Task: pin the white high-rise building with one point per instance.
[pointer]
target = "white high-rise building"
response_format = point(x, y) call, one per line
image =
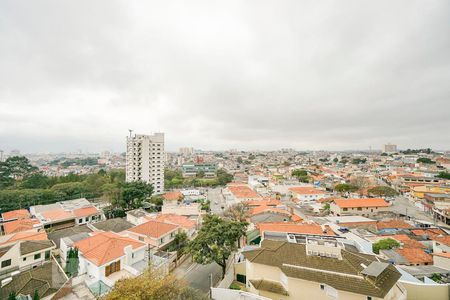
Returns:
point(146, 159)
point(389, 148)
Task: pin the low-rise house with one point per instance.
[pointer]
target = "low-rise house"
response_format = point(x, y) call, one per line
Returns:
point(187, 225)
point(66, 214)
point(363, 206)
point(21, 225)
point(306, 193)
point(46, 280)
point(13, 215)
point(108, 257)
point(318, 269)
point(237, 193)
point(29, 235)
point(23, 255)
point(286, 231)
point(115, 225)
point(155, 233)
point(442, 260)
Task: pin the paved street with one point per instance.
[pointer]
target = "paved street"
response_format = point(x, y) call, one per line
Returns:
point(198, 276)
point(217, 201)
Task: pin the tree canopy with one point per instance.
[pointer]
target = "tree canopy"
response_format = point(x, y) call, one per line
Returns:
point(153, 286)
point(384, 244)
point(345, 187)
point(216, 241)
point(383, 191)
point(444, 175)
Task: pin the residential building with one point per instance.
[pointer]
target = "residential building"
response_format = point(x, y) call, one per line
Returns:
point(108, 257)
point(46, 280)
point(306, 193)
point(23, 255)
point(363, 207)
point(191, 170)
point(155, 233)
point(389, 148)
point(145, 160)
point(66, 214)
point(319, 269)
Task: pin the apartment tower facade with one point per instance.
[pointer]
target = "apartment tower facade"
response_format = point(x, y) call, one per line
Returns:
point(145, 160)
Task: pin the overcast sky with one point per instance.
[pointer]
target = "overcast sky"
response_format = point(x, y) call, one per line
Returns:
point(224, 74)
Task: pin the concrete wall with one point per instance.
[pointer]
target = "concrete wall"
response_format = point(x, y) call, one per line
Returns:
point(427, 291)
point(365, 211)
point(441, 262)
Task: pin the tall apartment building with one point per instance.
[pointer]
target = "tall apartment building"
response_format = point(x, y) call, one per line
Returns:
point(146, 159)
point(389, 148)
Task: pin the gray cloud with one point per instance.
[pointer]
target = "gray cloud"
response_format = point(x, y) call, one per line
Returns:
point(220, 75)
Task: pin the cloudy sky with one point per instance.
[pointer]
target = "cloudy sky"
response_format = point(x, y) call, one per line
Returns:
point(224, 74)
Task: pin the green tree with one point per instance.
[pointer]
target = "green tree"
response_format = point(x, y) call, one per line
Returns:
point(444, 175)
point(215, 242)
point(239, 160)
point(133, 193)
point(345, 187)
point(383, 191)
point(36, 295)
point(335, 160)
point(153, 286)
point(70, 189)
point(301, 175)
point(200, 174)
point(19, 166)
point(223, 177)
point(384, 244)
point(425, 160)
point(35, 181)
point(72, 260)
point(179, 243)
point(12, 296)
point(237, 212)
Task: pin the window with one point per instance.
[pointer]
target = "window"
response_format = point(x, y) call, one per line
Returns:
point(359, 208)
point(132, 255)
point(369, 298)
point(345, 209)
point(6, 263)
point(47, 254)
point(37, 256)
point(80, 221)
point(322, 287)
point(141, 238)
point(86, 219)
point(24, 259)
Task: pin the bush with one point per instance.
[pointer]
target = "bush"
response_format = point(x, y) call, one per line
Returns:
point(235, 286)
point(384, 244)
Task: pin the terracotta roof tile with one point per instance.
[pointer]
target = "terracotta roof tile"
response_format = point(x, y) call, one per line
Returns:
point(86, 211)
point(415, 255)
point(19, 225)
point(153, 229)
point(173, 196)
point(242, 191)
point(57, 214)
point(182, 221)
point(105, 247)
point(396, 223)
point(29, 235)
point(16, 215)
point(306, 190)
point(362, 202)
point(294, 228)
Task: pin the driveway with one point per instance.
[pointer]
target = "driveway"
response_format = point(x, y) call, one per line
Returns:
point(198, 276)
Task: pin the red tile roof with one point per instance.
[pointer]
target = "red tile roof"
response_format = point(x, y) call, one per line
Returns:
point(295, 228)
point(86, 211)
point(265, 201)
point(29, 235)
point(153, 229)
point(16, 215)
point(268, 209)
point(57, 214)
point(406, 241)
point(415, 255)
point(306, 190)
point(242, 191)
point(182, 221)
point(105, 247)
point(19, 225)
point(173, 196)
point(362, 202)
point(395, 223)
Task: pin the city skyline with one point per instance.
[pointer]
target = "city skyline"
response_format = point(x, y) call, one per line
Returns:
point(304, 75)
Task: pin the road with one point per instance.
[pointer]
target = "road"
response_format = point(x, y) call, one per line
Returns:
point(198, 276)
point(217, 201)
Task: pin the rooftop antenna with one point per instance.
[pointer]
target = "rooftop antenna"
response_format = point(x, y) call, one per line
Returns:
point(131, 131)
